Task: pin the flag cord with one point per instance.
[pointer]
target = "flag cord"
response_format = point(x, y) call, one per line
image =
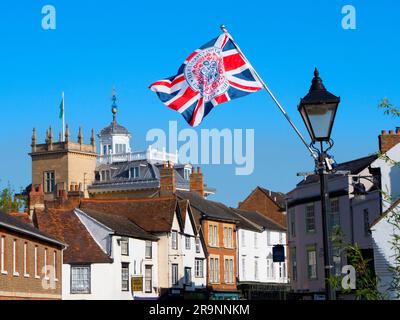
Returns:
point(223, 28)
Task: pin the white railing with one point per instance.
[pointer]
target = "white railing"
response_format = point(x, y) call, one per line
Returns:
point(151, 155)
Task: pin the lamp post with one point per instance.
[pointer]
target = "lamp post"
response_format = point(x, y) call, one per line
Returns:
point(318, 110)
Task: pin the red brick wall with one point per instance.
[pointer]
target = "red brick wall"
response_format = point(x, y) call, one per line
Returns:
point(259, 201)
point(14, 286)
point(387, 141)
point(220, 251)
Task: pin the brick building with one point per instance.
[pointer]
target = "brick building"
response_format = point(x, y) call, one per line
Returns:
point(30, 261)
point(269, 203)
point(218, 227)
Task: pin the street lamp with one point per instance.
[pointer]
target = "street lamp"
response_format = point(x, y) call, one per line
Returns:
point(318, 110)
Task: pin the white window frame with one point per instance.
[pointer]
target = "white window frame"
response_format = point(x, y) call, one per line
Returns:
point(309, 219)
point(75, 290)
point(198, 245)
point(256, 268)
point(174, 274)
point(148, 278)
point(124, 277)
point(312, 272)
point(174, 240)
point(26, 274)
point(215, 236)
point(36, 261)
point(46, 276)
point(148, 247)
point(198, 268)
point(335, 212)
point(243, 268)
point(124, 243)
point(186, 173)
point(187, 242)
point(3, 254)
point(15, 271)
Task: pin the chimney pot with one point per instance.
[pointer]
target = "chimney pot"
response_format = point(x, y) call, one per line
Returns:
point(383, 132)
point(390, 131)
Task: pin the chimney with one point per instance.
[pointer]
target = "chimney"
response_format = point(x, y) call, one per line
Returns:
point(74, 195)
point(388, 140)
point(36, 199)
point(167, 179)
point(197, 182)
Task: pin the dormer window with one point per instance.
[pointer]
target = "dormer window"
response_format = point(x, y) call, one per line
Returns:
point(105, 175)
point(186, 173)
point(134, 172)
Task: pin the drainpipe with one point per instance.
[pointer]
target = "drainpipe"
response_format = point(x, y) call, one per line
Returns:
point(351, 222)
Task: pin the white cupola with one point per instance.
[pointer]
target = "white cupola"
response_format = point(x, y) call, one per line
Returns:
point(114, 139)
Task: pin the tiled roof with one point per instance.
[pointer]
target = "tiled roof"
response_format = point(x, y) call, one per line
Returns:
point(17, 225)
point(151, 214)
point(259, 219)
point(23, 216)
point(149, 177)
point(208, 208)
point(120, 225)
point(245, 223)
point(66, 226)
point(277, 197)
point(354, 166)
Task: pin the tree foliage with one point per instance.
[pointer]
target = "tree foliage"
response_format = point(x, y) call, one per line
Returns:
point(10, 202)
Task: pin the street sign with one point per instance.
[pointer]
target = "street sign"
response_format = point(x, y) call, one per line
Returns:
point(278, 253)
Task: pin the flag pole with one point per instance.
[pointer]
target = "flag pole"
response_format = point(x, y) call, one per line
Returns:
point(223, 28)
point(63, 118)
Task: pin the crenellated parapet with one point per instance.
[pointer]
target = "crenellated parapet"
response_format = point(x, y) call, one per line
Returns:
point(63, 144)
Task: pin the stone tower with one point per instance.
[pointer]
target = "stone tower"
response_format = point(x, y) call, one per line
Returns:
point(63, 165)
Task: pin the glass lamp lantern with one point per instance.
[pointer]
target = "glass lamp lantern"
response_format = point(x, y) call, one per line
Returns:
point(318, 110)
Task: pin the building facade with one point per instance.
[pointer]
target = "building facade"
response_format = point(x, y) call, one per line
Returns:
point(181, 251)
point(356, 201)
point(259, 276)
point(267, 202)
point(60, 166)
point(30, 262)
point(218, 227)
point(383, 230)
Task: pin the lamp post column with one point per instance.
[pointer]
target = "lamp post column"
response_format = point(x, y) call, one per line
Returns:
point(329, 291)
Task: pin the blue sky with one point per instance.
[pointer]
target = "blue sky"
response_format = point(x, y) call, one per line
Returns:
point(98, 44)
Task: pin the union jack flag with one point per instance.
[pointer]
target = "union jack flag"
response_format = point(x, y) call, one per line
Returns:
point(213, 74)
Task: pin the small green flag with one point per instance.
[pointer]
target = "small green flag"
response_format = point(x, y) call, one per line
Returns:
point(62, 107)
